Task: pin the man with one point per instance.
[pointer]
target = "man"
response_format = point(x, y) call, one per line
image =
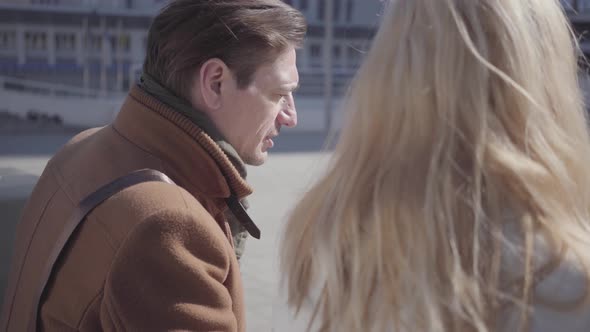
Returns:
point(157, 256)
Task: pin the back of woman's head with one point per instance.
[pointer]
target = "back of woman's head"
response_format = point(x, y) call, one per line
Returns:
point(465, 117)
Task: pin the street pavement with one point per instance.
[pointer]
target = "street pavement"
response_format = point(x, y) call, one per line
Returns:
point(298, 160)
point(278, 185)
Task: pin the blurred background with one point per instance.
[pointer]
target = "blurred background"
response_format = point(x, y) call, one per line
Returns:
point(70, 62)
point(66, 65)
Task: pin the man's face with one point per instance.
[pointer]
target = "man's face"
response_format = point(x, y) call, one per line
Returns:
point(252, 117)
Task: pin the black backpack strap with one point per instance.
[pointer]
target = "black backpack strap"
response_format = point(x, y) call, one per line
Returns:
point(240, 212)
point(85, 207)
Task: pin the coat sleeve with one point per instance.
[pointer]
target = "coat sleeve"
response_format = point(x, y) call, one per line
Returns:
point(169, 275)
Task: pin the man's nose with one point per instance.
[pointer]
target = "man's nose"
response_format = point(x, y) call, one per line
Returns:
point(288, 116)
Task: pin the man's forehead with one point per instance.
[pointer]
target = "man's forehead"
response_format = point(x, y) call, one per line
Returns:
point(282, 71)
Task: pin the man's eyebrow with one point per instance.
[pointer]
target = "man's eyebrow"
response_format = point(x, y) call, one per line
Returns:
point(291, 86)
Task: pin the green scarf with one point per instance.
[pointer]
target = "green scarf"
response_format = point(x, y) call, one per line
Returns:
point(180, 105)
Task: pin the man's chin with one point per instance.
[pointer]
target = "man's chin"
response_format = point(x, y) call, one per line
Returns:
point(256, 159)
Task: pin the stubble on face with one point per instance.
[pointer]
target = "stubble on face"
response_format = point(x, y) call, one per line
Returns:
point(280, 77)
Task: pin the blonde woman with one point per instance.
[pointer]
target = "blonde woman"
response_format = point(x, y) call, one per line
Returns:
point(458, 195)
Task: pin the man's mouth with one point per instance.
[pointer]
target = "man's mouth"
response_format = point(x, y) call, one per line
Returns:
point(268, 142)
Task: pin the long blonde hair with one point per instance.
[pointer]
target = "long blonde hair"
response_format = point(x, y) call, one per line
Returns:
point(465, 116)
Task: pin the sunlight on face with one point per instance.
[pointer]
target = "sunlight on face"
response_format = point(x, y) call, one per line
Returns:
point(254, 115)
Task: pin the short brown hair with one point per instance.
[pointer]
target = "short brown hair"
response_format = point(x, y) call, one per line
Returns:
point(242, 33)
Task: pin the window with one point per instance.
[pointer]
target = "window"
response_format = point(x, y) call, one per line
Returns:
point(121, 43)
point(336, 52)
point(575, 5)
point(315, 59)
point(337, 56)
point(300, 58)
point(321, 10)
point(95, 43)
point(316, 51)
point(35, 41)
point(354, 55)
point(7, 40)
point(349, 7)
point(336, 12)
point(302, 5)
point(46, 2)
point(567, 4)
point(65, 41)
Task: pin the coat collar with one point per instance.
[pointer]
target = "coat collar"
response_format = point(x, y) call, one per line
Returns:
point(189, 156)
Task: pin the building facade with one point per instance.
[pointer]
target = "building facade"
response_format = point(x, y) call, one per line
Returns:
point(100, 45)
point(579, 14)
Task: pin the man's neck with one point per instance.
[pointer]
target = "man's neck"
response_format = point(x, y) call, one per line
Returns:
point(151, 86)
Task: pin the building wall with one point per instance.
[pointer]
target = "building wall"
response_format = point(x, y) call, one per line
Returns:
point(116, 4)
point(355, 22)
point(346, 12)
point(74, 45)
point(17, 2)
point(101, 44)
point(576, 5)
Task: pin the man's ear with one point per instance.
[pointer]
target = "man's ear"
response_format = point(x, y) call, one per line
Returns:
point(213, 75)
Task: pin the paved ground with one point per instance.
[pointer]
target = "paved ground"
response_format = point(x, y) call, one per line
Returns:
point(278, 184)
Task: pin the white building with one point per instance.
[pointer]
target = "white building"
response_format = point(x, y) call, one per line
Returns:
point(579, 6)
point(92, 50)
point(579, 14)
point(100, 45)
